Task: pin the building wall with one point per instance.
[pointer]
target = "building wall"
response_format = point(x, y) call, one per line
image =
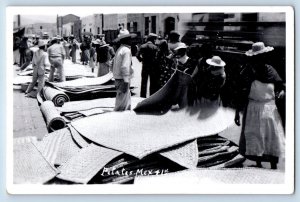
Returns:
point(50, 28)
point(77, 29)
point(69, 18)
point(98, 24)
point(68, 29)
point(92, 23)
point(110, 21)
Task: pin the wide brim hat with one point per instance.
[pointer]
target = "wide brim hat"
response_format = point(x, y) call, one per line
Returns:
point(42, 43)
point(104, 45)
point(95, 42)
point(216, 61)
point(124, 34)
point(258, 48)
point(152, 35)
point(181, 46)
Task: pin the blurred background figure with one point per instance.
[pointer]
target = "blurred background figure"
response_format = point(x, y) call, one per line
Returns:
point(74, 45)
point(147, 55)
point(106, 54)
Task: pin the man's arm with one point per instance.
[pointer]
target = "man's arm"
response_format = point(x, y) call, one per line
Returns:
point(126, 65)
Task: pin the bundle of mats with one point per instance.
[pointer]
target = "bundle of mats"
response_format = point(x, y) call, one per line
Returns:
point(79, 109)
point(52, 117)
point(85, 85)
point(56, 96)
point(70, 158)
point(71, 71)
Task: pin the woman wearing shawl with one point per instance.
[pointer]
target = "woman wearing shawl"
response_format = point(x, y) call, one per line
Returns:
point(262, 137)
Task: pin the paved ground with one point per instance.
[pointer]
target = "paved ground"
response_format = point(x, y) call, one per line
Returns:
point(28, 120)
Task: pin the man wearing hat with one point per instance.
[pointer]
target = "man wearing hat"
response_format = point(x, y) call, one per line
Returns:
point(122, 71)
point(57, 55)
point(39, 63)
point(147, 55)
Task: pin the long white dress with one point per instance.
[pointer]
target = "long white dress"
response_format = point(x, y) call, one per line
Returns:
point(263, 130)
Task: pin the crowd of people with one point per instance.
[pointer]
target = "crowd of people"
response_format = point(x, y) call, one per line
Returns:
point(259, 84)
point(262, 136)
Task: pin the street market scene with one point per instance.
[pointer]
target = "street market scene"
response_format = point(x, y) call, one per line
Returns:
point(144, 98)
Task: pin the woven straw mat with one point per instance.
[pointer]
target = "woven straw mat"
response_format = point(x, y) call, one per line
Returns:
point(56, 96)
point(185, 155)
point(58, 147)
point(140, 135)
point(53, 119)
point(77, 106)
point(84, 166)
point(85, 81)
point(30, 166)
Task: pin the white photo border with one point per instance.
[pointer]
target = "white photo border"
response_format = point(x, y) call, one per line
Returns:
point(286, 188)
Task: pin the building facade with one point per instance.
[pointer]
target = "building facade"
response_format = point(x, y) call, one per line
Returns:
point(40, 28)
point(92, 23)
point(63, 20)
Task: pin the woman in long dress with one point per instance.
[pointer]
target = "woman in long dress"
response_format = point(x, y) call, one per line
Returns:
point(262, 136)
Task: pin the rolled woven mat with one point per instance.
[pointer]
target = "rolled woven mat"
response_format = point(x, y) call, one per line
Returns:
point(56, 96)
point(53, 119)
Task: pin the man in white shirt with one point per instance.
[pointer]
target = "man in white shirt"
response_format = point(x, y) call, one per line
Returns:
point(122, 71)
point(39, 62)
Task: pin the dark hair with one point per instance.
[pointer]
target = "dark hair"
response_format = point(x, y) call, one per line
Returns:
point(163, 46)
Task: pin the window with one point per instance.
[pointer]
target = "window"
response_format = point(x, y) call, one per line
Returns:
point(83, 30)
point(135, 25)
point(146, 25)
point(153, 24)
point(72, 29)
point(90, 29)
point(98, 32)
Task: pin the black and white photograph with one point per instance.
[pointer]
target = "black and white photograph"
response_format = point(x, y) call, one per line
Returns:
point(150, 100)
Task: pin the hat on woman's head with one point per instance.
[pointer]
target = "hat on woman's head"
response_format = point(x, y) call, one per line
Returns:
point(258, 48)
point(181, 46)
point(216, 61)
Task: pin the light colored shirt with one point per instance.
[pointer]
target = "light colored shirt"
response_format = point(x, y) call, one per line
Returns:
point(122, 64)
point(40, 60)
point(56, 50)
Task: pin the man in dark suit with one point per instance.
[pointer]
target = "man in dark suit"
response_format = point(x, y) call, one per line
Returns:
point(147, 55)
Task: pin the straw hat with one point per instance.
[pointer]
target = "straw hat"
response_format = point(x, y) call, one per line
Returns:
point(258, 48)
point(152, 35)
point(181, 46)
point(216, 61)
point(125, 34)
point(42, 43)
point(104, 45)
